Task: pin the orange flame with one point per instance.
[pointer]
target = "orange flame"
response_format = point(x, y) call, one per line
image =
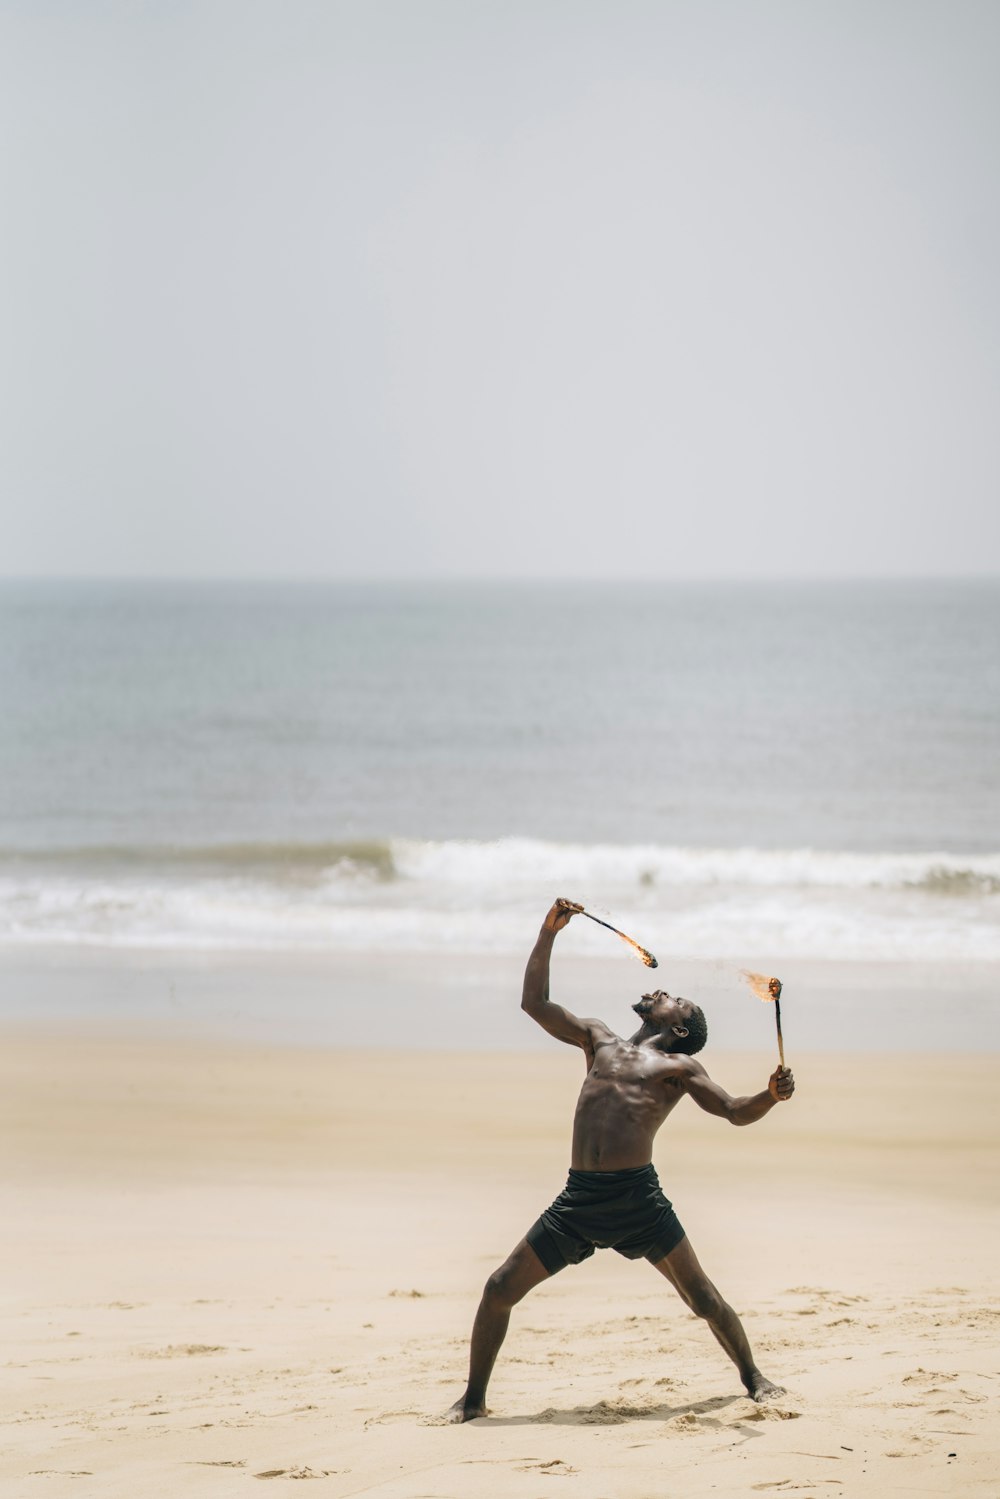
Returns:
point(647, 957)
point(759, 985)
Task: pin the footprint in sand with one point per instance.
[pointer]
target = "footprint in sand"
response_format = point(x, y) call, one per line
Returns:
point(916, 1446)
point(554, 1468)
point(927, 1377)
point(182, 1350)
point(786, 1485)
point(297, 1473)
point(385, 1418)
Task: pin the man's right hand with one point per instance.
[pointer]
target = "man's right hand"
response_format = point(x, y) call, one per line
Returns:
point(560, 915)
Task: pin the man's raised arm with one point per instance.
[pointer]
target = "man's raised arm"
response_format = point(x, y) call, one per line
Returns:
point(708, 1095)
point(535, 995)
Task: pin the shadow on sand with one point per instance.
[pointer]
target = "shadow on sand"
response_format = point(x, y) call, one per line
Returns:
point(617, 1412)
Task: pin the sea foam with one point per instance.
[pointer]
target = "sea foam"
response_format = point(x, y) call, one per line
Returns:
point(479, 896)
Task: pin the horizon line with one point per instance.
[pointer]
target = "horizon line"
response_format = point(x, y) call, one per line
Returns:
point(492, 579)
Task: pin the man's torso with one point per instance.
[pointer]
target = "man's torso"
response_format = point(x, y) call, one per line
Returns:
point(628, 1092)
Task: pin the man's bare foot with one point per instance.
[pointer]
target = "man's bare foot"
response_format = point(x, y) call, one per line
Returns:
point(761, 1389)
point(465, 1410)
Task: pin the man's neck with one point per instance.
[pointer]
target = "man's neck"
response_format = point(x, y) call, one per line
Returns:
point(646, 1032)
point(648, 1035)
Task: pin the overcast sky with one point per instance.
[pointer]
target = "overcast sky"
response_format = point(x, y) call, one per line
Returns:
point(480, 287)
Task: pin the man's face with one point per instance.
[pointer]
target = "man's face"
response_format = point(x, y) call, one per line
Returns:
point(662, 1009)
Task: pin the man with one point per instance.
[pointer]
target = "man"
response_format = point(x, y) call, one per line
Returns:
point(613, 1198)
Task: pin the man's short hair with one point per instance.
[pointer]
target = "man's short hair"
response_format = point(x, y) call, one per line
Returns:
point(697, 1033)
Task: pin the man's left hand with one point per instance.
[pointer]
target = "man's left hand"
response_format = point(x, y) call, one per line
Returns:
point(781, 1084)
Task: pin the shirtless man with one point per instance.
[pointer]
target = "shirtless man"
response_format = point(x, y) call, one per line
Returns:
point(613, 1198)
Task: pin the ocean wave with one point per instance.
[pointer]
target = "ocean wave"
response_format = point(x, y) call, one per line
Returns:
point(510, 863)
point(365, 858)
point(475, 896)
point(648, 866)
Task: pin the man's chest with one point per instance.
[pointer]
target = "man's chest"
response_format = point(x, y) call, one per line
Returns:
point(631, 1067)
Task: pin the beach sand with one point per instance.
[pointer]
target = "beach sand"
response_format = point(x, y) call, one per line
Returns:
point(236, 1263)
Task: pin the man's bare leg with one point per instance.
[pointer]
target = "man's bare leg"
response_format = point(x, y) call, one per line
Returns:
point(684, 1273)
point(504, 1289)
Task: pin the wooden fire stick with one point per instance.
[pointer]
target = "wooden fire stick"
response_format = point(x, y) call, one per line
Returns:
point(775, 988)
point(642, 952)
point(768, 990)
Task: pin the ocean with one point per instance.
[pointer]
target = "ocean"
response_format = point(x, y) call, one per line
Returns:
point(722, 769)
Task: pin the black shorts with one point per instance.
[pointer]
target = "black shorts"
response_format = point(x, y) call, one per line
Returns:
point(622, 1210)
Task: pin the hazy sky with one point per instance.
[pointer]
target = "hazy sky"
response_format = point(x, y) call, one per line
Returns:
point(484, 287)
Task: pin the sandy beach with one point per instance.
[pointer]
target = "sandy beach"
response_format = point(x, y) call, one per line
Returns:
point(229, 1263)
point(461, 457)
